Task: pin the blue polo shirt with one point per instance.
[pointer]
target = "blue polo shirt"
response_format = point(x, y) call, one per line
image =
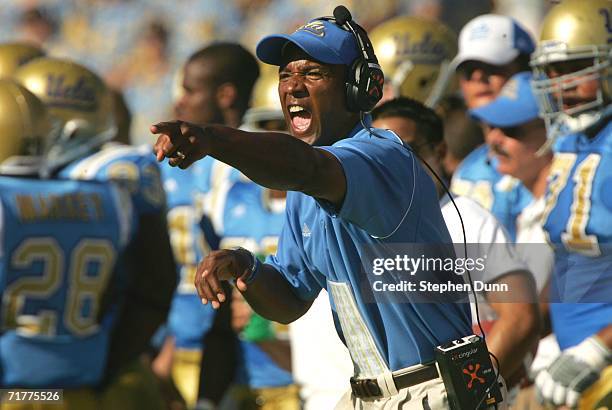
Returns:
point(390, 199)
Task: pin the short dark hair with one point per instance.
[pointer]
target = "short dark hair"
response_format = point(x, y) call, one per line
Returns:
point(428, 124)
point(232, 63)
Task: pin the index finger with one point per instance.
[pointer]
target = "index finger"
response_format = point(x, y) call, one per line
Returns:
point(169, 140)
point(170, 128)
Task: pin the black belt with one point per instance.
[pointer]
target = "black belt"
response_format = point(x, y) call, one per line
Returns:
point(369, 388)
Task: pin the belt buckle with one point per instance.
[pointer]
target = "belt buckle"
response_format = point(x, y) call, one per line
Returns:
point(366, 388)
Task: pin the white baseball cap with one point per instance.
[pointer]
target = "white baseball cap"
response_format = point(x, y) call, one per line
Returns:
point(492, 39)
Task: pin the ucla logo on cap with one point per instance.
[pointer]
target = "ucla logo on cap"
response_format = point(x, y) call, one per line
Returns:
point(480, 31)
point(510, 89)
point(314, 27)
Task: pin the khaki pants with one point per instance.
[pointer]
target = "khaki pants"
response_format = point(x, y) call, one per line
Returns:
point(430, 395)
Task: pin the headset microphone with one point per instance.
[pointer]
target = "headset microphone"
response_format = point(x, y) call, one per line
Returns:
point(342, 15)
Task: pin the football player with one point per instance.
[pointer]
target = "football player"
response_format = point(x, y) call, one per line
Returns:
point(216, 86)
point(492, 48)
point(82, 101)
point(572, 83)
point(415, 55)
point(61, 244)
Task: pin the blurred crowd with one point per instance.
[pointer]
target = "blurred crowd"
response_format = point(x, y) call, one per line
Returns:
point(138, 45)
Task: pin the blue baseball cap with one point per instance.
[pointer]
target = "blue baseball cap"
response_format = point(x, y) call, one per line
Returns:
point(515, 104)
point(323, 40)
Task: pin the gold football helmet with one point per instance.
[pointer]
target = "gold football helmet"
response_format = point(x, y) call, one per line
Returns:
point(573, 30)
point(415, 55)
point(79, 98)
point(14, 55)
point(26, 130)
point(266, 112)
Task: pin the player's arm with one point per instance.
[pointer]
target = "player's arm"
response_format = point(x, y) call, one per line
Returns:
point(517, 328)
point(269, 293)
point(273, 160)
point(575, 370)
point(152, 282)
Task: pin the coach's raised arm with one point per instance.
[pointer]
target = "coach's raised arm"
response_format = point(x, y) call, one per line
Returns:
point(351, 187)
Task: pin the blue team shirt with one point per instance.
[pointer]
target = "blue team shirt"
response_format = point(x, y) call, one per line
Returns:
point(389, 199)
point(246, 219)
point(477, 178)
point(54, 272)
point(188, 320)
point(578, 223)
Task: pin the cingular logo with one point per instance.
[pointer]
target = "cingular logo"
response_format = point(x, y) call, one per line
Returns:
point(80, 94)
point(466, 354)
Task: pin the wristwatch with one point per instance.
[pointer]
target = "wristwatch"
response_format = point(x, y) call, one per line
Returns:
point(255, 264)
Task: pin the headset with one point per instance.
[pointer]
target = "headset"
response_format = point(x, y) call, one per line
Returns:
point(365, 79)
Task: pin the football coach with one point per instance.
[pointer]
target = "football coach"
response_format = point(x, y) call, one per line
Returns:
point(350, 186)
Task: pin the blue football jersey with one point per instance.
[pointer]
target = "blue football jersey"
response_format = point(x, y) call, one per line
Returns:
point(578, 222)
point(134, 168)
point(210, 176)
point(59, 244)
point(251, 219)
point(189, 319)
point(477, 178)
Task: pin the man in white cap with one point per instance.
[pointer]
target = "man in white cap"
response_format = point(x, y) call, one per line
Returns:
point(492, 49)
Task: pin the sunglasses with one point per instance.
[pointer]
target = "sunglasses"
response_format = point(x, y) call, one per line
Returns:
point(466, 70)
point(519, 132)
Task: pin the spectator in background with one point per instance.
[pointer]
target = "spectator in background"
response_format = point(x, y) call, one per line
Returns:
point(197, 23)
point(99, 31)
point(36, 26)
point(428, 9)
point(145, 75)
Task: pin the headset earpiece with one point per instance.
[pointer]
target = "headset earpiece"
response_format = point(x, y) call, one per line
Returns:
point(365, 78)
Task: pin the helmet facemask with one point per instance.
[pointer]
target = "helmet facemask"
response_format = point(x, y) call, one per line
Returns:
point(561, 120)
point(74, 141)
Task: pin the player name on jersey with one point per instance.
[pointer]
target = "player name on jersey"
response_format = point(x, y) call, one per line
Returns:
point(73, 206)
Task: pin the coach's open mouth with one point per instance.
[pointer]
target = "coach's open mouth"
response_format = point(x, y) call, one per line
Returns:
point(300, 118)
